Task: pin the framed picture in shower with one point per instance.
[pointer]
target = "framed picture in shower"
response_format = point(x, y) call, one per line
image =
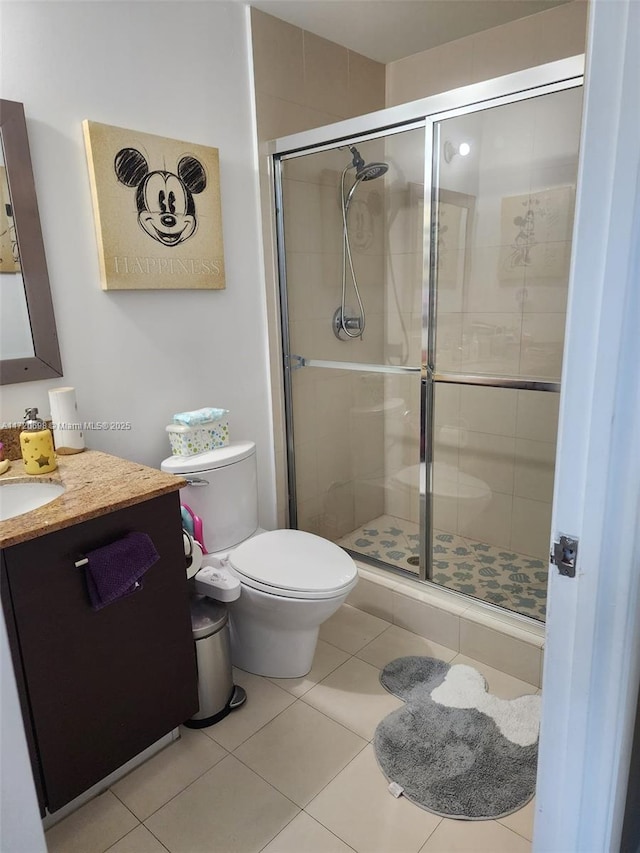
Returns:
point(451, 230)
point(157, 210)
point(452, 237)
point(536, 235)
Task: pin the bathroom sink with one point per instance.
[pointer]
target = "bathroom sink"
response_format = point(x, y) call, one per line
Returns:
point(18, 498)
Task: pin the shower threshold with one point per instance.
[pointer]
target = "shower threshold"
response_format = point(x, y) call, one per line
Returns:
point(497, 575)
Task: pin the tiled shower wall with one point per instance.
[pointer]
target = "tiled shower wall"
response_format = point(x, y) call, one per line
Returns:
point(503, 438)
point(338, 424)
point(505, 315)
point(508, 442)
point(303, 81)
point(491, 318)
point(554, 34)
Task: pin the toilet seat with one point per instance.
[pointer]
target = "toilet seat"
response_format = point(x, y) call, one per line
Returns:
point(293, 564)
point(449, 482)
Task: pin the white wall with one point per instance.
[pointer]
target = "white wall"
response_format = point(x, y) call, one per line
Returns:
point(180, 70)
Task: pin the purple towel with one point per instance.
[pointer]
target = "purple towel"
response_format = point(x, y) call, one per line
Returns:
point(114, 570)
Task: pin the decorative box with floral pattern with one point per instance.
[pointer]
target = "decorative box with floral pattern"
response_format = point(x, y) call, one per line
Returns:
point(189, 440)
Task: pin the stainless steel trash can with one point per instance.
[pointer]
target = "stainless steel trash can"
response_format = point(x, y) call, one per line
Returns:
point(216, 691)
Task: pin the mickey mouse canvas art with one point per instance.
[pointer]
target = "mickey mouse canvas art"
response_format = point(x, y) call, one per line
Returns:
point(157, 210)
point(166, 209)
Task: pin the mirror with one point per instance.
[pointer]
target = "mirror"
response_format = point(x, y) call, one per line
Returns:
point(28, 338)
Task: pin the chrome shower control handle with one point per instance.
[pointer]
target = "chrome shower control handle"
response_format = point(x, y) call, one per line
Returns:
point(343, 325)
point(352, 323)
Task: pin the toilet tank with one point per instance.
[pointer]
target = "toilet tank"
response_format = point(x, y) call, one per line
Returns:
point(223, 491)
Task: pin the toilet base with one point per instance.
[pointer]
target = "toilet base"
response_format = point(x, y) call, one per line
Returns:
point(276, 636)
point(287, 654)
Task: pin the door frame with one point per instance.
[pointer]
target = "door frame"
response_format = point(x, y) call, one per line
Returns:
point(592, 666)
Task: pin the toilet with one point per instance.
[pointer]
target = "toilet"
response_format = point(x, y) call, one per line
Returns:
point(452, 489)
point(290, 581)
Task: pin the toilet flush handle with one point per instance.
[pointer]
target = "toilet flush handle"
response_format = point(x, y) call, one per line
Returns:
point(196, 481)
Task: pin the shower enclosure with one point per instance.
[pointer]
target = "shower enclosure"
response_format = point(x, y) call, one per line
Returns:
point(424, 260)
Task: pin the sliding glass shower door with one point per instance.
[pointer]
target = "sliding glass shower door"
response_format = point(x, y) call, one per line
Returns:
point(354, 418)
point(500, 293)
point(424, 274)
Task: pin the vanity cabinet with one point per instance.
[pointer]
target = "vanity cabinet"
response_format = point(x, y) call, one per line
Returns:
point(98, 687)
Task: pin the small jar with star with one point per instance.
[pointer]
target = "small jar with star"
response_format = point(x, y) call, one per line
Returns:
point(36, 444)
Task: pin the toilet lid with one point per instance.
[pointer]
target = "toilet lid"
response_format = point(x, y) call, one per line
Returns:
point(448, 481)
point(292, 561)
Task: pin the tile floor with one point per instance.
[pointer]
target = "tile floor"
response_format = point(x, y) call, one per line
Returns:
point(292, 771)
point(515, 581)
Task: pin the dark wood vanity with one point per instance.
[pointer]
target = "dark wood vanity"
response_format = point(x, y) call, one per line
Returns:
point(98, 687)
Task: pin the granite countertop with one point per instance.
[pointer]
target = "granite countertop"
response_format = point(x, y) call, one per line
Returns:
point(95, 483)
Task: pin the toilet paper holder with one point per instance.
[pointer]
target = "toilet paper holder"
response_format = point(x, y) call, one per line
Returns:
point(193, 553)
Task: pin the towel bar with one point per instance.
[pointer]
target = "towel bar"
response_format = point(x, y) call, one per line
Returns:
point(83, 561)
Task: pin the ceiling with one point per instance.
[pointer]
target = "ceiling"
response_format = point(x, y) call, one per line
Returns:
point(386, 30)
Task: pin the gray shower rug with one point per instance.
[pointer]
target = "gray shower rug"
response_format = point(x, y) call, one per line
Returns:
point(453, 748)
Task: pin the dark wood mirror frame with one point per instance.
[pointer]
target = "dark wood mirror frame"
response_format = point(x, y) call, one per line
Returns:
point(46, 363)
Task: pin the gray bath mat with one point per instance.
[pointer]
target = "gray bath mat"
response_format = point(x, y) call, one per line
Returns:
point(455, 749)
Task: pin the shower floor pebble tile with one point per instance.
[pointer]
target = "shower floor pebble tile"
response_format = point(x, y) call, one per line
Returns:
point(515, 581)
point(298, 772)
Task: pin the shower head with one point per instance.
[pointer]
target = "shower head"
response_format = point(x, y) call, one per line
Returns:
point(366, 171)
point(371, 171)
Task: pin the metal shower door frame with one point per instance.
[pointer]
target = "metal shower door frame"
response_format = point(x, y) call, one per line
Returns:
point(427, 113)
point(293, 362)
point(431, 377)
